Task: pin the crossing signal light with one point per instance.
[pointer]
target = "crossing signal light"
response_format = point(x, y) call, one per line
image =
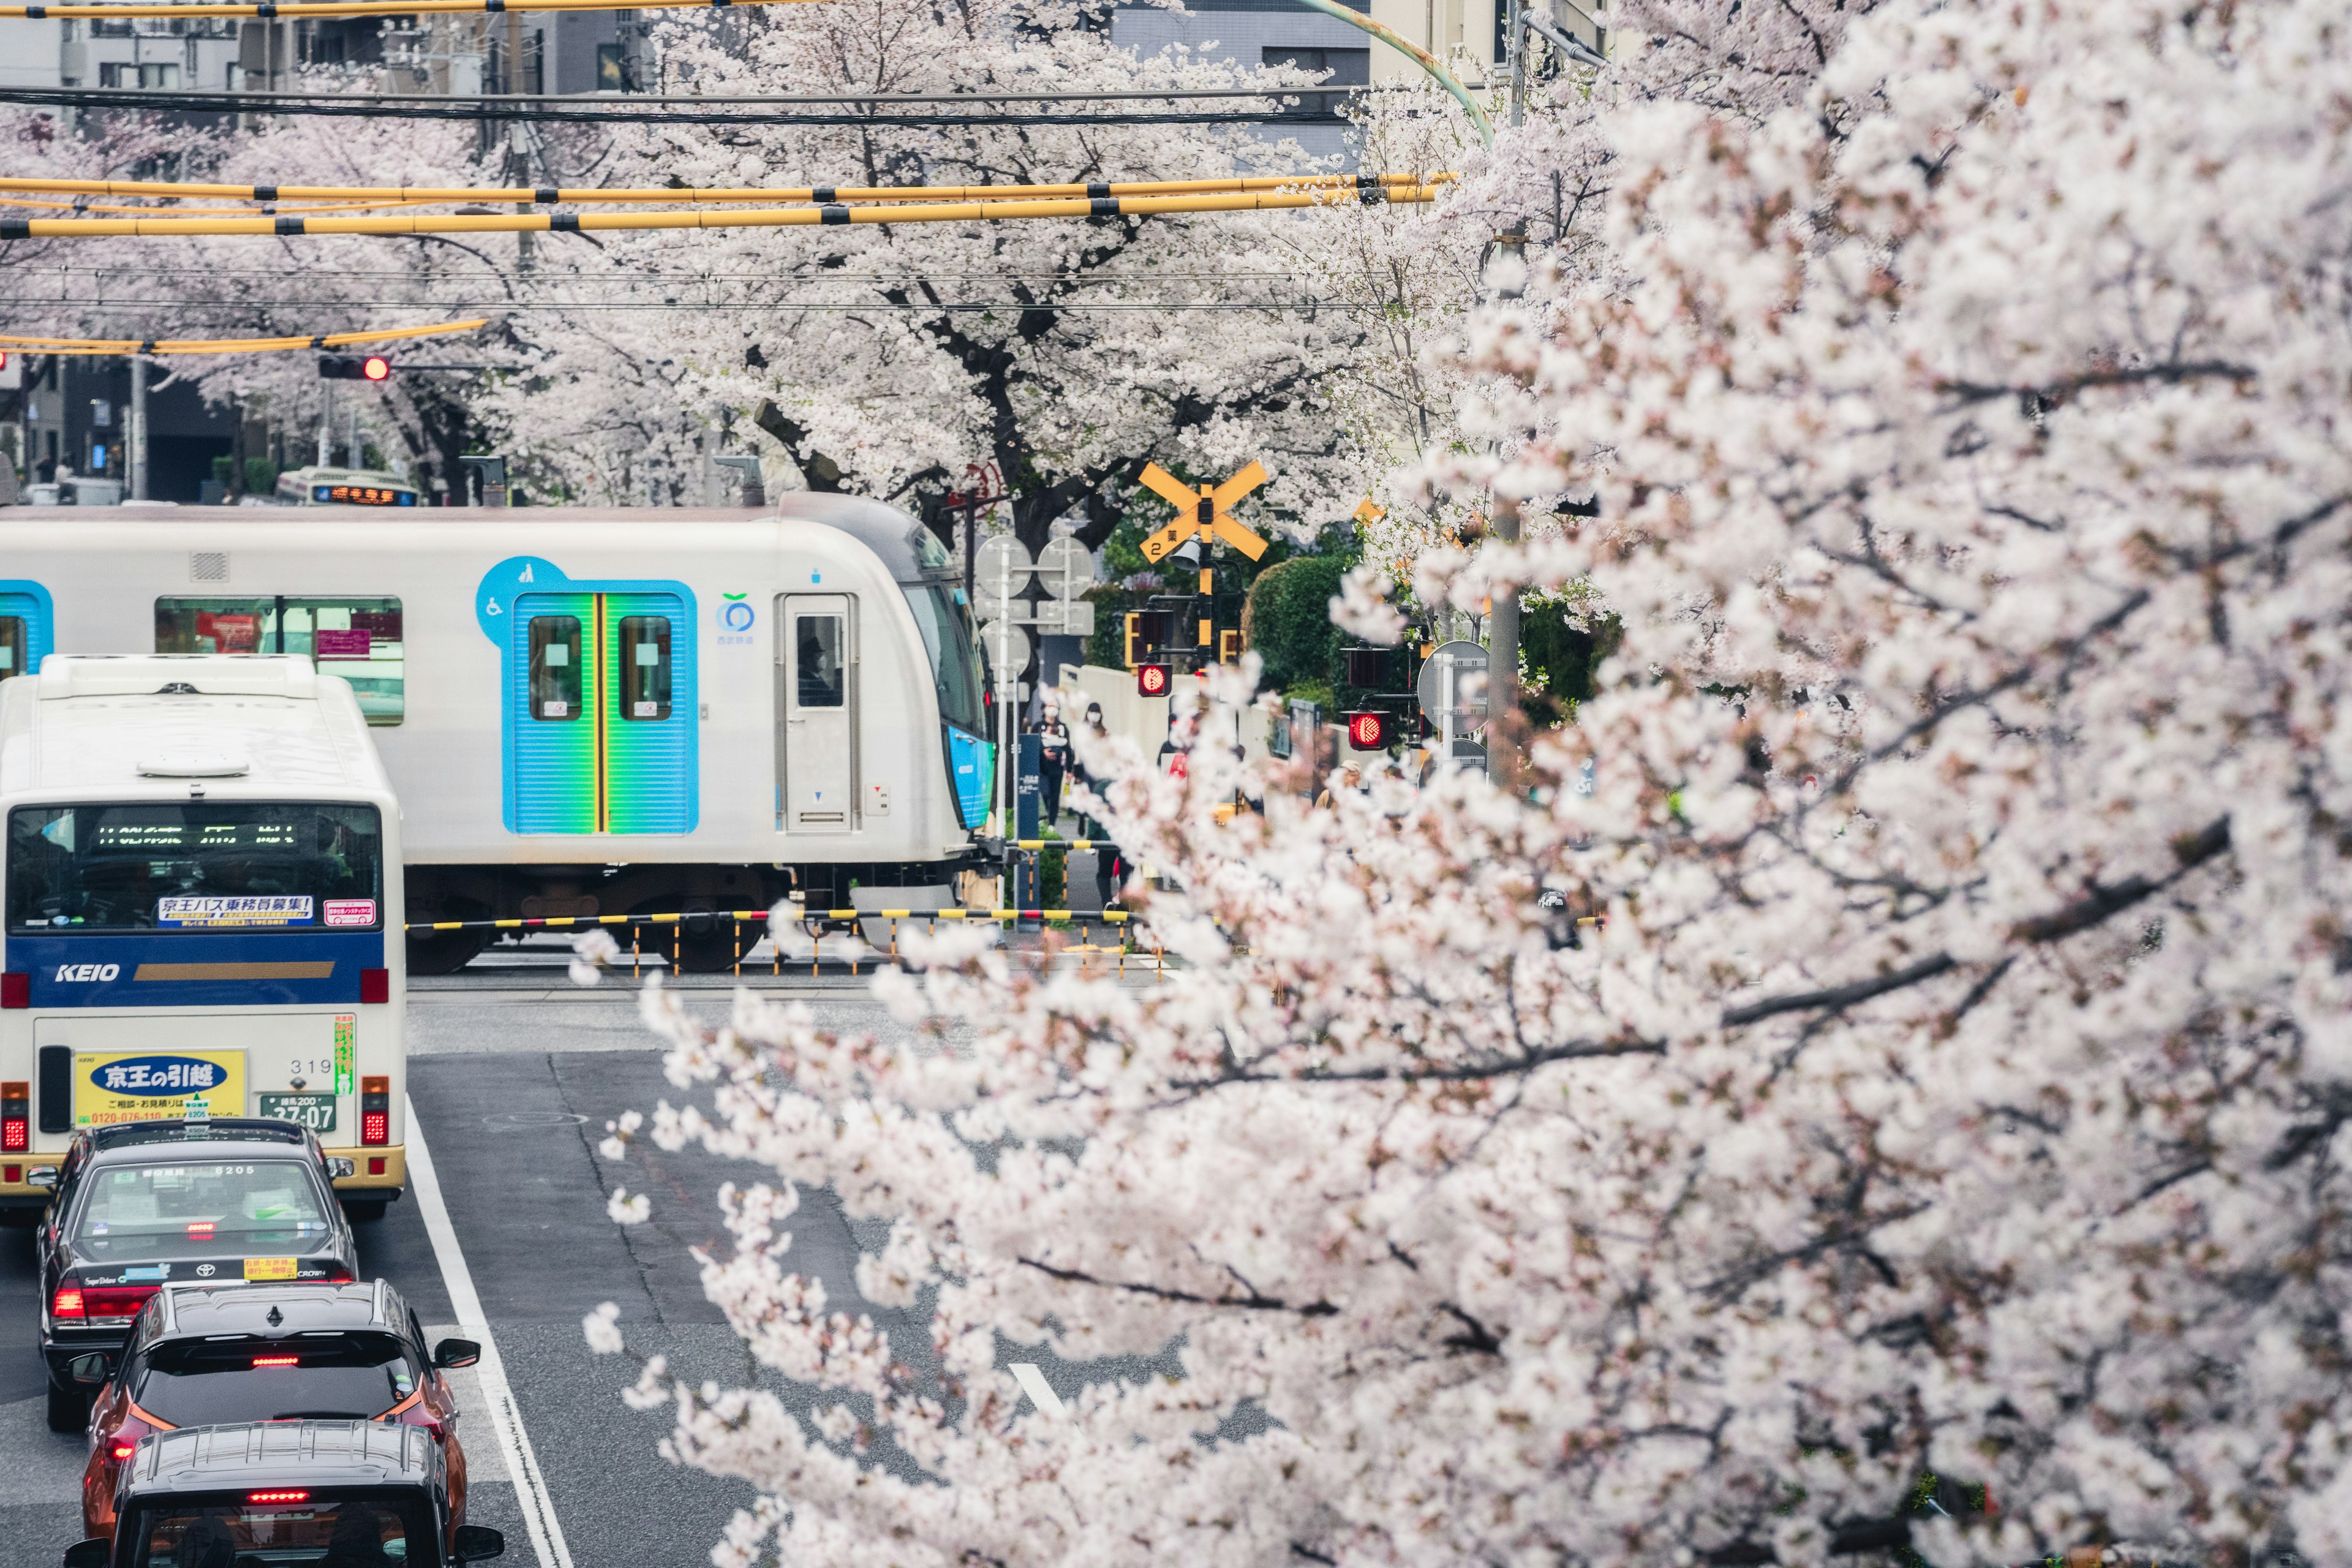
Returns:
point(1152, 680)
point(1368, 732)
point(354, 367)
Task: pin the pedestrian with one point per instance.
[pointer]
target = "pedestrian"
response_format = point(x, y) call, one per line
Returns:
point(1346, 777)
point(1053, 757)
point(1083, 779)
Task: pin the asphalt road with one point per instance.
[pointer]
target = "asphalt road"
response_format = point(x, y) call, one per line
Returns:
point(512, 1086)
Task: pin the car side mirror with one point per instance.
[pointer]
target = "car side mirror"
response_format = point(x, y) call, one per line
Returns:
point(43, 1176)
point(475, 1543)
point(341, 1165)
point(95, 1553)
point(90, 1371)
point(456, 1352)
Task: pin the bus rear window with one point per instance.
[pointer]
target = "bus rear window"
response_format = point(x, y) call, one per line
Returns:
point(195, 865)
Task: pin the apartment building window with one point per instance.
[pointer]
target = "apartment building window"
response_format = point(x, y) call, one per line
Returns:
point(123, 73)
point(612, 72)
point(1349, 68)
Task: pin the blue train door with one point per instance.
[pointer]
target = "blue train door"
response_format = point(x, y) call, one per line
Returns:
point(25, 628)
point(599, 713)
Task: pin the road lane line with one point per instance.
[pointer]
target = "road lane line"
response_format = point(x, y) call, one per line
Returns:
point(506, 1419)
point(1041, 1393)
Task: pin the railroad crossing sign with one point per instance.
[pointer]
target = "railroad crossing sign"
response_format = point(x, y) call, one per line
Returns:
point(1202, 511)
point(1369, 510)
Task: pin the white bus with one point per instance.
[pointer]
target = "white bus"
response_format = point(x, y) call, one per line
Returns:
point(344, 487)
point(198, 868)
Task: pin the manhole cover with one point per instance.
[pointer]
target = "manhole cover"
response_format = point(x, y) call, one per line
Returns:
point(533, 1119)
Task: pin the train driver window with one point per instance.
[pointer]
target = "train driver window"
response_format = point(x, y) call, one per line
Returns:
point(644, 654)
point(556, 667)
point(12, 646)
point(823, 682)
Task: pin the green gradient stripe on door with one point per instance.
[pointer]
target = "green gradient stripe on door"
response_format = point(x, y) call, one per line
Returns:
point(599, 713)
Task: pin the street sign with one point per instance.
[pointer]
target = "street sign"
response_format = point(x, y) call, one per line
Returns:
point(1454, 682)
point(1002, 565)
point(1202, 511)
point(1066, 568)
point(1065, 617)
point(1008, 648)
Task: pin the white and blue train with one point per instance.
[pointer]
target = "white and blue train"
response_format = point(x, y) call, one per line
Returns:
point(583, 711)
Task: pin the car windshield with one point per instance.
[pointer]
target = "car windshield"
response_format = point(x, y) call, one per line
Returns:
point(225, 865)
point(946, 624)
point(325, 1376)
point(318, 1526)
point(201, 1208)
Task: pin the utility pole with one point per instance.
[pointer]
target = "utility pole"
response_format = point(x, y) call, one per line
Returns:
point(138, 432)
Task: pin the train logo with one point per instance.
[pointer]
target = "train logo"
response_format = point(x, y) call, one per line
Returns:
point(736, 613)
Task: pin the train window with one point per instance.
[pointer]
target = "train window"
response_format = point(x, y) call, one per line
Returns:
point(556, 667)
point(359, 639)
point(823, 680)
point(644, 685)
point(12, 646)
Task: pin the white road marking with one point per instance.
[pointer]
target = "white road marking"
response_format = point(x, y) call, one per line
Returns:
point(1032, 1383)
point(506, 1419)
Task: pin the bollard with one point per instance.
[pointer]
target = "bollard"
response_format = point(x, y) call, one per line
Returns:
point(636, 960)
point(739, 950)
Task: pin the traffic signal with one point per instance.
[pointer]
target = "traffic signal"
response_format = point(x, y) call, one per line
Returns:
point(354, 367)
point(1367, 668)
point(1152, 680)
point(1368, 732)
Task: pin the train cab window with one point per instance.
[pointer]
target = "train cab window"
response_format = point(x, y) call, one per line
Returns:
point(359, 639)
point(12, 646)
point(644, 654)
point(823, 679)
point(555, 668)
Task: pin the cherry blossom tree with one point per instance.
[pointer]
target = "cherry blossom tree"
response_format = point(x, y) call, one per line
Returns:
point(1956, 1082)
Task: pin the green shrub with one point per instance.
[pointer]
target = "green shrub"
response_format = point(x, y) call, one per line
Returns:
point(1288, 620)
point(260, 477)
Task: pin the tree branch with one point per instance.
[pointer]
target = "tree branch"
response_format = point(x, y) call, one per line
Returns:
point(1255, 1302)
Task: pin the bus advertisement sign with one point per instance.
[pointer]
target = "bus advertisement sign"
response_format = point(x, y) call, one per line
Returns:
point(113, 1087)
point(255, 909)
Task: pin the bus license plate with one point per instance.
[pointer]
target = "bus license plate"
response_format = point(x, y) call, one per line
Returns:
point(315, 1112)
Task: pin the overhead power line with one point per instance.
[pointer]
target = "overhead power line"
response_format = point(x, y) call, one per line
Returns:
point(233, 345)
point(330, 8)
point(540, 112)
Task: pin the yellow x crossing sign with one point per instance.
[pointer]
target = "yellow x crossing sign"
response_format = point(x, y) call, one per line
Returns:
point(1202, 510)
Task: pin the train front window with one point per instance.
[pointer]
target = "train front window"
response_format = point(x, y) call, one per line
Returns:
point(195, 865)
point(946, 627)
point(644, 656)
point(555, 668)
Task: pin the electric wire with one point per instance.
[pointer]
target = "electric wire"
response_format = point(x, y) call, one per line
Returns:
point(572, 196)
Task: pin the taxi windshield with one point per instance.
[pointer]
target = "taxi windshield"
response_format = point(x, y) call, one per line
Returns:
point(201, 1208)
point(190, 866)
point(326, 1376)
point(310, 1525)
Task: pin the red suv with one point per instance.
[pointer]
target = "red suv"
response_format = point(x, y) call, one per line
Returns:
point(220, 1355)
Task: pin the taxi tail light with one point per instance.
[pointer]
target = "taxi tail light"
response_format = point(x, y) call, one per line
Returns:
point(69, 1302)
point(17, 989)
point(202, 1228)
point(115, 1300)
point(278, 1361)
point(15, 1117)
point(277, 1497)
point(376, 984)
point(122, 1450)
point(375, 1110)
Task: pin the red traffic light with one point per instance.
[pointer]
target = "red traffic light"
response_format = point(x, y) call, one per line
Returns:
point(1368, 732)
point(1152, 680)
point(375, 367)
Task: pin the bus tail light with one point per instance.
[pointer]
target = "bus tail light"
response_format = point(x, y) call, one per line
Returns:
point(15, 989)
point(69, 1301)
point(375, 1110)
point(15, 1117)
point(376, 984)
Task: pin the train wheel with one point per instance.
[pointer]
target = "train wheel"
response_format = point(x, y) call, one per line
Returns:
point(447, 952)
point(712, 950)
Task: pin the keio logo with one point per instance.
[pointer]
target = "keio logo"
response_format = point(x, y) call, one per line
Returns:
point(84, 972)
point(156, 1075)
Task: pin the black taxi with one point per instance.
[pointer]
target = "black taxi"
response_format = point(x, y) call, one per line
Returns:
point(147, 1204)
point(338, 1494)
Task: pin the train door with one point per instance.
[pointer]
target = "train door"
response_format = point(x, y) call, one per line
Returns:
point(24, 629)
point(816, 708)
point(602, 723)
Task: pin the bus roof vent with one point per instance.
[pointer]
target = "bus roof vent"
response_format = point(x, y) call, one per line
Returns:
point(179, 675)
point(195, 765)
